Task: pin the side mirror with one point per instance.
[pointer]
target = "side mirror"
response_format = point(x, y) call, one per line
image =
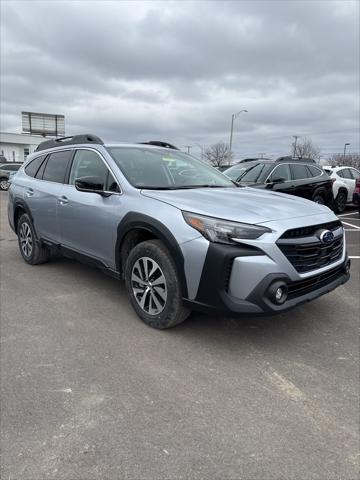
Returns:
point(90, 184)
point(278, 180)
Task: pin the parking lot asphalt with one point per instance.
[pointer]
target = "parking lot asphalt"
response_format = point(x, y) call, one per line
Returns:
point(90, 392)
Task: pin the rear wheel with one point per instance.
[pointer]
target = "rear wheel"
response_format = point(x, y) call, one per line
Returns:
point(4, 184)
point(318, 199)
point(153, 285)
point(340, 202)
point(30, 248)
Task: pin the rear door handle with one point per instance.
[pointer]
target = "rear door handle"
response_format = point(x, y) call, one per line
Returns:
point(63, 200)
point(29, 192)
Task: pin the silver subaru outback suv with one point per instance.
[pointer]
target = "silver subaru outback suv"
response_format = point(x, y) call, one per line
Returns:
point(181, 234)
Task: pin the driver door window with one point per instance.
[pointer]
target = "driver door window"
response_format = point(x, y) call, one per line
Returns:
point(87, 163)
point(282, 171)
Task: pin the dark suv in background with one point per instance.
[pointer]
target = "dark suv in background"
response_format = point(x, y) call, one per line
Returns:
point(286, 175)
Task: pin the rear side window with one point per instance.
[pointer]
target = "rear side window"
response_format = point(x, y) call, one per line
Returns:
point(299, 171)
point(355, 174)
point(56, 166)
point(15, 168)
point(11, 168)
point(32, 168)
point(315, 171)
point(346, 173)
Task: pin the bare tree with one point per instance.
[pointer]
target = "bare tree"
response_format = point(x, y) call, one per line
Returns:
point(350, 160)
point(305, 148)
point(218, 154)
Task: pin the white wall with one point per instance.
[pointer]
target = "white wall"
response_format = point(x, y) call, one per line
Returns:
point(14, 145)
point(14, 152)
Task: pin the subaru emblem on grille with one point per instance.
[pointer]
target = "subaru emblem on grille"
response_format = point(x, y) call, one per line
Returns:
point(326, 237)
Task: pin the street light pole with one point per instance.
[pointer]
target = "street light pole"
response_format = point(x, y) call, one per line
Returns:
point(233, 116)
point(346, 144)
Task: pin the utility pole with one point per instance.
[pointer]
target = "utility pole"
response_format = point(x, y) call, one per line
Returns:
point(295, 143)
point(233, 116)
point(188, 148)
point(346, 144)
point(201, 149)
point(261, 155)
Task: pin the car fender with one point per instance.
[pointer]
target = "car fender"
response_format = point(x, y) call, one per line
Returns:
point(136, 220)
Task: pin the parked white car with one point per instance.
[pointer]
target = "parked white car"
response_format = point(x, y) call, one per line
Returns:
point(343, 185)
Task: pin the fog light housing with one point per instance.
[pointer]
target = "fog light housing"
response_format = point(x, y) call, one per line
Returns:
point(278, 292)
point(347, 267)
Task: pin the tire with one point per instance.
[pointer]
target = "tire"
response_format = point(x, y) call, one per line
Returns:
point(156, 295)
point(318, 198)
point(32, 251)
point(340, 202)
point(4, 184)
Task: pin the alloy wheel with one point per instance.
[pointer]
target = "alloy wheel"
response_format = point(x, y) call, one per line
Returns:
point(149, 285)
point(26, 239)
point(341, 202)
point(4, 185)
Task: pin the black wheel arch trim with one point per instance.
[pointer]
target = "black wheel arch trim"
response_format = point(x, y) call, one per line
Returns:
point(21, 204)
point(136, 221)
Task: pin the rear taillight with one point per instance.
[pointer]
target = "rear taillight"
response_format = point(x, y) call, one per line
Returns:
point(357, 185)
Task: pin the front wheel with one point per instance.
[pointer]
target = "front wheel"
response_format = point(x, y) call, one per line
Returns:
point(319, 199)
point(4, 184)
point(153, 285)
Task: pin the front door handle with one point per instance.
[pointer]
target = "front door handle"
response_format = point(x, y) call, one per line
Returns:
point(63, 200)
point(29, 192)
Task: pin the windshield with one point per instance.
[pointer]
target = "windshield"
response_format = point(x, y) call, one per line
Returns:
point(236, 171)
point(252, 175)
point(165, 169)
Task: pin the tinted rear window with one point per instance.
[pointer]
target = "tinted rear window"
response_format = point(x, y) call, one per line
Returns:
point(315, 171)
point(56, 166)
point(34, 165)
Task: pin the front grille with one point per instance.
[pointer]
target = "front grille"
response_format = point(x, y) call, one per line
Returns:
point(308, 231)
point(306, 252)
point(302, 287)
point(310, 256)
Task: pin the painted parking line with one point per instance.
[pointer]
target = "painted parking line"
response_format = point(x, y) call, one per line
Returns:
point(347, 214)
point(354, 256)
point(351, 225)
point(351, 230)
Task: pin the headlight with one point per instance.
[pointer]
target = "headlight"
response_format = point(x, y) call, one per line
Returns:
point(223, 231)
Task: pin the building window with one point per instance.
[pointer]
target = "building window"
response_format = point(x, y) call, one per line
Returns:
point(26, 152)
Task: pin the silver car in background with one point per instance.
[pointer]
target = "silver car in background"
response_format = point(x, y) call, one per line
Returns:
point(182, 235)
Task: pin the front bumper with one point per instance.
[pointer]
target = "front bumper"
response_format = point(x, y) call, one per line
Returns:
point(240, 280)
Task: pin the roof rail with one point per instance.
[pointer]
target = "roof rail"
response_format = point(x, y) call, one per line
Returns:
point(74, 140)
point(158, 143)
point(295, 159)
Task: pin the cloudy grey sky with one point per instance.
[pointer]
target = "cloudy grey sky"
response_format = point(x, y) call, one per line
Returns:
point(176, 71)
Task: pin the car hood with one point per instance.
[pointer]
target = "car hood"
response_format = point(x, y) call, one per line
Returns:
point(247, 205)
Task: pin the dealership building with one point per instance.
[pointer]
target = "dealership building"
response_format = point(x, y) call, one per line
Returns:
point(15, 147)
